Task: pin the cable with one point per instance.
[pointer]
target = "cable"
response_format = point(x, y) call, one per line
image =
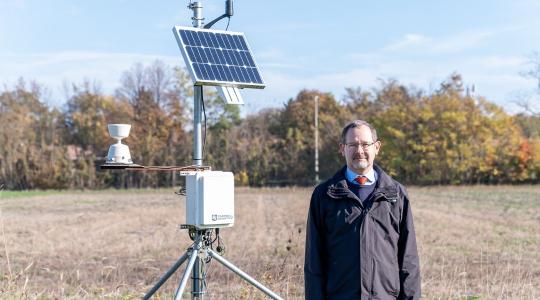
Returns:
point(220, 245)
point(207, 262)
point(206, 270)
point(204, 112)
point(228, 22)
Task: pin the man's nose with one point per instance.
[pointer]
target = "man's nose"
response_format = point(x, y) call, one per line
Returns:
point(359, 149)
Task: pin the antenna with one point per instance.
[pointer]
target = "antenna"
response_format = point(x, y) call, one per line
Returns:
point(229, 11)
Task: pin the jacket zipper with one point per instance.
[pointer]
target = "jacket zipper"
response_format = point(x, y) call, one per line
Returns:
point(365, 213)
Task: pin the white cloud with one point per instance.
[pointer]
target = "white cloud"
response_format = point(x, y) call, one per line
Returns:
point(53, 69)
point(495, 77)
point(457, 42)
point(407, 41)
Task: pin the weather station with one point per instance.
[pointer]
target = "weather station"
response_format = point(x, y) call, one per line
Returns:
point(222, 59)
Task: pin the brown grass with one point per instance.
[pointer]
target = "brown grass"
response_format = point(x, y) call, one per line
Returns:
point(474, 242)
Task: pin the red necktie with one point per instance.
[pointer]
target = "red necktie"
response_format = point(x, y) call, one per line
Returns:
point(361, 179)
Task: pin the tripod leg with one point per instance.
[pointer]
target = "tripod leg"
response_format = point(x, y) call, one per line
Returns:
point(244, 276)
point(165, 277)
point(185, 277)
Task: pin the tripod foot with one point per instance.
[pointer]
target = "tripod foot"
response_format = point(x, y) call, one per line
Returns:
point(243, 275)
point(165, 277)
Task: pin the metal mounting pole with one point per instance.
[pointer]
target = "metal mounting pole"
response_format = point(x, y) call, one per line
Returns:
point(198, 21)
point(197, 126)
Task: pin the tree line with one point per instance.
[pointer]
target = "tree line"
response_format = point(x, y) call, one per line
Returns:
point(442, 137)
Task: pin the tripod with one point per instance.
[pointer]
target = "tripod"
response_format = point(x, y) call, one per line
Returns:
point(201, 246)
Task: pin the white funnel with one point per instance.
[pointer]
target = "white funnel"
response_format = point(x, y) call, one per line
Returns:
point(119, 153)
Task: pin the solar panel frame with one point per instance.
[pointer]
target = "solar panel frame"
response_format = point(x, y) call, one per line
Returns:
point(198, 50)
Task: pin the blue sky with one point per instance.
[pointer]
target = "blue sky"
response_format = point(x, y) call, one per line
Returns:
point(328, 45)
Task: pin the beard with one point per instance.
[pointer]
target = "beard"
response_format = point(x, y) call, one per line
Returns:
point(360, 164)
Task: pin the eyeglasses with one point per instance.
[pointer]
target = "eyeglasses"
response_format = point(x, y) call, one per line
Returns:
point(364, 146)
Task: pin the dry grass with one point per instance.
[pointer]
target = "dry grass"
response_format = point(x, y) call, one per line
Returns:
point(475, 242)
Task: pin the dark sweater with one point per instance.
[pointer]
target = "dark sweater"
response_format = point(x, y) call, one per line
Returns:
point(362, 191)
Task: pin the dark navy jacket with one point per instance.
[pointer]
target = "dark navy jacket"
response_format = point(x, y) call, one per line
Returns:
point(358, 250)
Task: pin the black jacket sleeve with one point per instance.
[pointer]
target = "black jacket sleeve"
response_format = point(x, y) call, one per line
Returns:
point(409, 265)
point(314, 275)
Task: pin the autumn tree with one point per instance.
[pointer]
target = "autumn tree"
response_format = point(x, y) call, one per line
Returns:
point(31, 155)
point(157, 96)
point(296, 137)
point(441, 137)
point(252, 154)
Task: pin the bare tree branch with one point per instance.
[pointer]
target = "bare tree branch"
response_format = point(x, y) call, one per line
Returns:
point(530, 102)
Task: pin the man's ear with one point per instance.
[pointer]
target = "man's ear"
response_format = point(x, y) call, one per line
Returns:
point(377, 147)
point(342, 149)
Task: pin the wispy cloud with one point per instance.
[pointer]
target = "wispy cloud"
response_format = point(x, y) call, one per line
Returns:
point(73, 60)
point(281, 86)
point(495, 77)
point(53, 69)
point(408, 40)
point(453, 43)
point(460, 41)
point(492, 75)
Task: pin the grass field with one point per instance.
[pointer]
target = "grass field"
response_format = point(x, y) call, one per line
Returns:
point(479, 242)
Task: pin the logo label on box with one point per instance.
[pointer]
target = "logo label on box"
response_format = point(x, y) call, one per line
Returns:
point(221, 217)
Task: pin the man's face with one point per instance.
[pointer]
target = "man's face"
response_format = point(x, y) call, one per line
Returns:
point(359, 149)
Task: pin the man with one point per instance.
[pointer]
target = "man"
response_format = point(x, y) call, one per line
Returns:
point(360, 240)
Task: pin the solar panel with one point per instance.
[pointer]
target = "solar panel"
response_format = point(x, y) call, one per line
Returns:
point(216, 57)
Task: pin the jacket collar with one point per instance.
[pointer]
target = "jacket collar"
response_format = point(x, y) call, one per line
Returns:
point(385, 188)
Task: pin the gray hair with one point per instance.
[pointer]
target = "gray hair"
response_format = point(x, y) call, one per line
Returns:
point(356, 124)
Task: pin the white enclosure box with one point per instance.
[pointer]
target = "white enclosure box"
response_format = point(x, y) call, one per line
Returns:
point(210, 199)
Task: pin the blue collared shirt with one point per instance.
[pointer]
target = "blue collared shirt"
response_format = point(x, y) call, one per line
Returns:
point(371, 176)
